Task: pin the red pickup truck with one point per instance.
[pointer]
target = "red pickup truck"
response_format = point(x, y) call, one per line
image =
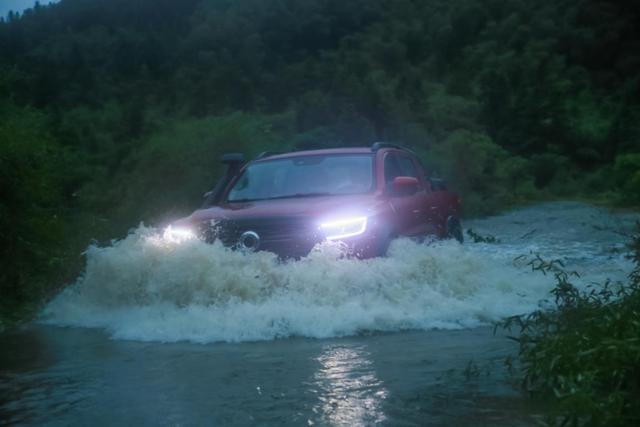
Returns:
point(287, 203)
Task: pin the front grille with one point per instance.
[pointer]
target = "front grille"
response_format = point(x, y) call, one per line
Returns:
point(277, 234)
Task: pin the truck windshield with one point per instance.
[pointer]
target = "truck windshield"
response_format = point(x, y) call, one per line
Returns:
point(305, 176)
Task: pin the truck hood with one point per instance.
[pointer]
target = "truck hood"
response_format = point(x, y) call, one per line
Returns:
point(323, 208)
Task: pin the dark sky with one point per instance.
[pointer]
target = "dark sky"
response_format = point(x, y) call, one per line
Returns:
point(18, 5)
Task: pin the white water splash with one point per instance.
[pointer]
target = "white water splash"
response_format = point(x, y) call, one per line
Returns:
point(150, 288)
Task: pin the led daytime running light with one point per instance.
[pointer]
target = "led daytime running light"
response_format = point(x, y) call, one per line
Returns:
point(344, 228)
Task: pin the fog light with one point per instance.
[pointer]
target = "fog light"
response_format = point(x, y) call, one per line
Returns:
point(249, 240)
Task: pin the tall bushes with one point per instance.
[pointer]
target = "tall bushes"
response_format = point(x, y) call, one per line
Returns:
point(585, 354)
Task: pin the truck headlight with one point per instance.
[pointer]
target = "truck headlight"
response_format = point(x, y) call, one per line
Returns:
point(344, 228)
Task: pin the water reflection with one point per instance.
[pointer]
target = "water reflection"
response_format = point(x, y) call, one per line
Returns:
point(349, 391)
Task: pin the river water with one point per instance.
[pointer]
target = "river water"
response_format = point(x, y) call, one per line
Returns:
point(165, 332)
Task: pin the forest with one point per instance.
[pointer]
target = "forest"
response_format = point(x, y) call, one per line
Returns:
point(115, 112)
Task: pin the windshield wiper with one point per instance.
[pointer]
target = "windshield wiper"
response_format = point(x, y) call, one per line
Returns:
point(293, 196)
point(288, 196)
point(243, 200)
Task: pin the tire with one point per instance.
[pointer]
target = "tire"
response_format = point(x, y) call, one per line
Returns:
point(454, 229)
point(382, 247)
point(381, 244)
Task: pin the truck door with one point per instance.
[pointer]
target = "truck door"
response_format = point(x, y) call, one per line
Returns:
point(409, 209)
point(436, 205)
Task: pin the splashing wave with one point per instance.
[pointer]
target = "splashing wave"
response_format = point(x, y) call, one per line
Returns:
point(146, 287)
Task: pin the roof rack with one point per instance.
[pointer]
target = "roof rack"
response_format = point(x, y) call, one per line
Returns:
point(380, 145)
point(266, 154)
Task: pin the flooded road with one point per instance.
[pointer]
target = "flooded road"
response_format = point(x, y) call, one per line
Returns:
point(80, 377)
point(183, 333)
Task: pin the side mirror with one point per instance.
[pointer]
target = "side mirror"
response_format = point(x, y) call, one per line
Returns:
point(405, 185)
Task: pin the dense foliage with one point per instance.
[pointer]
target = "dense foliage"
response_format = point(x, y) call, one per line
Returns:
point(586, 352)
point(115, 111)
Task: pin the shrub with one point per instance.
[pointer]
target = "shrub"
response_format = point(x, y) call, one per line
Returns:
point(33, 170)
point(174, 166)
point(586, 352)
point(485, 174)
point(626, 172)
